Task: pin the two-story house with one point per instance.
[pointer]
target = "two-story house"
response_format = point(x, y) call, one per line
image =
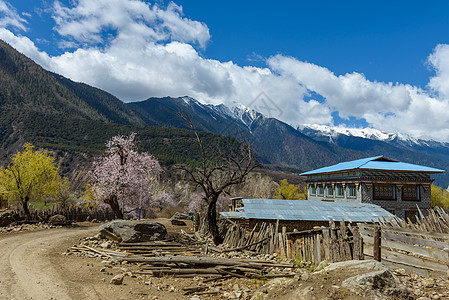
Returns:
point(395, 186)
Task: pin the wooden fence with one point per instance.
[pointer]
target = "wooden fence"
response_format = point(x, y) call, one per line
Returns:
point(73, 214)
point(420, 247)
point(421, 252)
point(333, 243)
point(326, 243)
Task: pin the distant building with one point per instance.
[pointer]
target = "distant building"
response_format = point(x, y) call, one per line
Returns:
point(395, 186)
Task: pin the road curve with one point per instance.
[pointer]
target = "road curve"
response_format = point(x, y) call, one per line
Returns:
point(26, 268)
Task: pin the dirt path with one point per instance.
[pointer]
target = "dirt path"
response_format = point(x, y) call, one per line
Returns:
point(28, 269)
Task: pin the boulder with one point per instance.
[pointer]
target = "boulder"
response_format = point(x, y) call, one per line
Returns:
point(57, 220)
point(130, 231)
point(8, 217)
point(180, 216)
point(178, 222)
point(378, 285)
point(117, 279)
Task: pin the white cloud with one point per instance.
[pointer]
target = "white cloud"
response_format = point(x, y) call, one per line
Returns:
point(150, 51)
point(385, 106)
point(87, 21)
point(10, 18)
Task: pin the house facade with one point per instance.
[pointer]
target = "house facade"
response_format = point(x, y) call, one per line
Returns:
point(395, 186)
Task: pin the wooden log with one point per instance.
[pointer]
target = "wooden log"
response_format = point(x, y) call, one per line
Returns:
point(357, 252)
point(284, 240)
point(326, 244)
point(318, 248)
point(247, 246)
point(334, 243)
point(377, 244)
point(205, 261)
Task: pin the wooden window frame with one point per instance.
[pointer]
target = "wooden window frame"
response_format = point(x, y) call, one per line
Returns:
point(320, 190)
point(418, 192)
point(349, 187)
point(383, 197)
point(337, 187)
point(313, 190)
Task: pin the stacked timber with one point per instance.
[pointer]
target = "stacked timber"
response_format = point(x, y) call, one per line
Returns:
point(205, 266)
point(158, 248)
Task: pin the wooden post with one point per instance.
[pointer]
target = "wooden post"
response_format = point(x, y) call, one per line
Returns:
point(196, 222)
point(377, 243)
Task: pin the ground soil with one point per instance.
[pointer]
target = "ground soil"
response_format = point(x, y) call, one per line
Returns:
point(34, 265)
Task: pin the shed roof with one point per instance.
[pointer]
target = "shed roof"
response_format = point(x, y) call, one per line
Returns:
point(308, 210)
point(374, 163)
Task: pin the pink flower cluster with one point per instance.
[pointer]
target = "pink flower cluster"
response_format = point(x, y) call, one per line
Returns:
point(124, 173)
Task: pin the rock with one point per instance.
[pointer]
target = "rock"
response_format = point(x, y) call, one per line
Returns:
point(180, 216)
point(106, 245)
point(380, 285)
point(178, 222)
point(57, 220)
point(134, 231)
point(428, 282)
point(372, 265)
point(8, 217)
point(321, 265)
point(117, 279)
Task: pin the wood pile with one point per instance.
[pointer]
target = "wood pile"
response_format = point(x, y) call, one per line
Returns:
point(264, 238)
point(205, 266)
point(158, 248)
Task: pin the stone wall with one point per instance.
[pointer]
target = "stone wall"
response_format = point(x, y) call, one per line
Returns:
point(401, 208)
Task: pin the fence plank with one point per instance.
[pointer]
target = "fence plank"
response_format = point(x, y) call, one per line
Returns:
point(326, 244)
point(408, 260)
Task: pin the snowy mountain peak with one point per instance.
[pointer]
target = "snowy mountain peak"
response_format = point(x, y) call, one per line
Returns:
point(367, 133)
point(189, 100)
point(238, 112)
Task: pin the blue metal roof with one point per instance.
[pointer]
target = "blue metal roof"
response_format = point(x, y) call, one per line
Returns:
point(308, 210)
point(374, 163)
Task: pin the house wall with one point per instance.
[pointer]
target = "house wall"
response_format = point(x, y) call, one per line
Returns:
point(399, 207)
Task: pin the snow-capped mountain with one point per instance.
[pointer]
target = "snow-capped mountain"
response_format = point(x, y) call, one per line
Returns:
point(367, 133)
point(277, 143)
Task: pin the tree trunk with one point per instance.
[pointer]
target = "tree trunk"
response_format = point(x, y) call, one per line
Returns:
point(212, 219)
point(25, 208)
point(113, 203)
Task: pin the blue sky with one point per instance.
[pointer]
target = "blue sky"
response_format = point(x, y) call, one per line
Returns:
point(383, 64)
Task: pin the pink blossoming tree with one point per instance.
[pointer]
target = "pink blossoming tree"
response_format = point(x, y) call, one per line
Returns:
point(122, 177)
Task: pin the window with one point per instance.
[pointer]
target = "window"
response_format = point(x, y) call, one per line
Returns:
point(320, 190)
point(410, 192)
point(384, 192)
point(352, 191)
point(312, 190)
point(340, 191)
point(330, 191)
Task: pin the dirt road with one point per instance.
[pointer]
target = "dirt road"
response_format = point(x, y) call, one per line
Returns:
point(31, 265)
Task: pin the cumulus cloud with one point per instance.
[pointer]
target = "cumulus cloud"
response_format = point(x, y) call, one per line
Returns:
point(10, 18)
point(135, 50)
point(88, 21)
point(385, 106)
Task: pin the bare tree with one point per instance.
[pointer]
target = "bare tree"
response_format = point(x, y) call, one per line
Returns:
point(214, 177)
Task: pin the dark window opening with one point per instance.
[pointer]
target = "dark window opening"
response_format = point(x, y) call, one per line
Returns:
point(384, 192)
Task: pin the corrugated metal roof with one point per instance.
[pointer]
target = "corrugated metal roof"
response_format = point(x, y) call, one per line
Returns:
point(308, 210)
point(374, 163)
